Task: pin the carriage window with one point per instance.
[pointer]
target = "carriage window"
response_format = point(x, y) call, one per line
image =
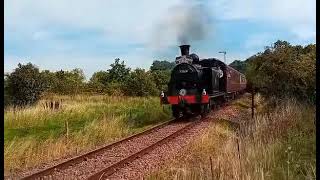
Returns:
point(242, 79)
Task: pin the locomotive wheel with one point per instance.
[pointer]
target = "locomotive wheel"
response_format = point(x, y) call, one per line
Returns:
point(205, 109)
point(212, 104)
point(176, 112)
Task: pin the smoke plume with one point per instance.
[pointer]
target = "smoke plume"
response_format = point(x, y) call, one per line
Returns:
point(184, 23)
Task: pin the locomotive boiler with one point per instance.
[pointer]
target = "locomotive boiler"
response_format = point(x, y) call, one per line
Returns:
point(196, 86)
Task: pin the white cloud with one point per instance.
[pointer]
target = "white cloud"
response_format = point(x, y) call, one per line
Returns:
point(305, 33)
point(297, 16)
point(134, 21)
point(120, 22)
point(259, 41)
point(125, 20)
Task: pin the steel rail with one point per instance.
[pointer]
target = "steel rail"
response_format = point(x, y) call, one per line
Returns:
point(118, 165)
point(83, 157)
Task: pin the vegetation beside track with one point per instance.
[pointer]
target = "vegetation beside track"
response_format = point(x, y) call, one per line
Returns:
point(278, 144)
point(35, 135)
point(283, 71)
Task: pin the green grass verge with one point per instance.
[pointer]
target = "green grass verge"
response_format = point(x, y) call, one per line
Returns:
point(36, 135)
point(279, 144)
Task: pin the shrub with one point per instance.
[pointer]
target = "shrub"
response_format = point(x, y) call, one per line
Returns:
point(25, 85)
point(284, 71)
point(140, 84)
point(161, 79)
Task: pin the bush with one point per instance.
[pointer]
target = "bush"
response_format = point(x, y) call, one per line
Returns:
point(140, 84)
point(98, 82)
point(25, 85)
point(284, 71)
point(239, 65)
point(162, 65)
point(7, 98)
point(68, 82)
point(161, 79)
point(114, 89)
point(118, 72)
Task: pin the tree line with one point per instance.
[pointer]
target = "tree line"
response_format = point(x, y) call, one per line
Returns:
point(282, 70)
point(27, 84)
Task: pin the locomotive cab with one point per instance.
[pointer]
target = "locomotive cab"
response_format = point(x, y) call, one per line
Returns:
point(212, 78)
point(219, 73)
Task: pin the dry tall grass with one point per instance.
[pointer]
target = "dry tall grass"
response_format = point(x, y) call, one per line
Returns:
point(36, 135)
point(275, 145)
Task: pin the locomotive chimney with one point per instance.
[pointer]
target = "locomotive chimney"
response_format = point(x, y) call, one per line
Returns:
point(184, 50)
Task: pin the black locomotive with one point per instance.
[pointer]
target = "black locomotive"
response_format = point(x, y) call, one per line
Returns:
point(196, 86)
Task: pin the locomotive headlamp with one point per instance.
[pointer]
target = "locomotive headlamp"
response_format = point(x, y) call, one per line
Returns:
point(162, 94)
point(183, 92)
point(204, 92)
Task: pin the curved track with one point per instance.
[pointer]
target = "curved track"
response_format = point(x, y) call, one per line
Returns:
point(105, 161)
point(103, 174)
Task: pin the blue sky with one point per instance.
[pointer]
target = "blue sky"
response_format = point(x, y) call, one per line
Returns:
point(60, 34)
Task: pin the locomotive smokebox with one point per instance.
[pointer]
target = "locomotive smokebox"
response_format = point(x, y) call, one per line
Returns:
point(184, 50)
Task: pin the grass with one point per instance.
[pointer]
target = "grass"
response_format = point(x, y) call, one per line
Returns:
point(35, 135)
point(278, 144)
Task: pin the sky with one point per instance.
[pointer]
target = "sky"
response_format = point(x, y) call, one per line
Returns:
point(60, 34)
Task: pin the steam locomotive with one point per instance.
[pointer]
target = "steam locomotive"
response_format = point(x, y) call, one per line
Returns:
point(196, 86)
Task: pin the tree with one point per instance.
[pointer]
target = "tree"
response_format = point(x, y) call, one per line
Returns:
point(101, 77)
point(284, 71)
point(140, 84)
point(65, 82)
point(162, 65)
point(118, 72)
point(281, 44)
point(115, 89)
point(99, 82)
point(49, 79)
point(239, 65)
point(7, 98)
point(77, 79)
point(161, 78)
point(25, 85)
point(160, 71)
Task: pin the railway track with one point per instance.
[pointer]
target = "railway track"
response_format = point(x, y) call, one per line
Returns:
point(103, 162)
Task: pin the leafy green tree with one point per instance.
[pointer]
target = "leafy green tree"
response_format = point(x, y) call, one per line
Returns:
point(67, 82)
point(49, 80)
point(160, 71)
point(140, 83)
point(161, 78)
point(101, 77)
point(118, 72)
point(7, 98)
point(239, 65)
point(77, 78)
point(162, 65)
point(115, 89)
point(24, 85)
point(284, 71)
point(99, 82)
